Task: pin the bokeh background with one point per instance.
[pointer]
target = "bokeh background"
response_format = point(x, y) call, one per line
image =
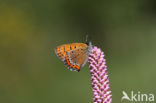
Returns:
point(30, 72)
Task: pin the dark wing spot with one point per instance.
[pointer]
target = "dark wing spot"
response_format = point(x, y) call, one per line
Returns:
point(75, 46)
point(64, 49)
point(70, 48)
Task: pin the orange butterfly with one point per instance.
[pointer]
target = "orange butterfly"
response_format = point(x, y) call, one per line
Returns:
point(74, 55)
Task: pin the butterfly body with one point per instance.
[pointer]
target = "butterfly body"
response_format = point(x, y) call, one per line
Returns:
point(74, 55)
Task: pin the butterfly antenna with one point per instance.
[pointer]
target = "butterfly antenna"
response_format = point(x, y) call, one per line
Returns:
point(87, 42)
point(86, 38)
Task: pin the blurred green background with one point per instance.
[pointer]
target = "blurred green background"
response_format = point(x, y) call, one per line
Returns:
point(30, 72)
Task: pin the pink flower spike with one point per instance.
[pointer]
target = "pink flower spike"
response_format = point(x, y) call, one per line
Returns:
point(99, 76)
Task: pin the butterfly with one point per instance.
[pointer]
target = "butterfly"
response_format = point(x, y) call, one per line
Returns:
point(74, 55)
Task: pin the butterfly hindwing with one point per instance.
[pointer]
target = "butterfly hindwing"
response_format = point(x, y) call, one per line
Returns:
point(77, 58)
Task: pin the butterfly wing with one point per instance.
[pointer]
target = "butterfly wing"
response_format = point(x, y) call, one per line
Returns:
point(76, 58)
point(60, 52)
point(63, 49)
point(74, 55)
